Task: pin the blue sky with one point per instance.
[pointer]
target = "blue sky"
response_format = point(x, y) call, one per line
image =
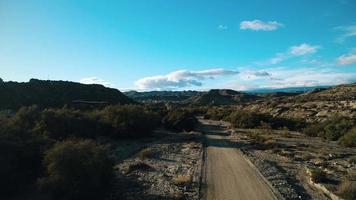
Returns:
point(179, 45)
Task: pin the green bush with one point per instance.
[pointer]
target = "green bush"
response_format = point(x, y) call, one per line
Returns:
point(179, 120)
point(20, 157)
point(129, 120)
point(77, 169)
point(349, 139)
point(217, 113)
point(332, 129)
point(62, 123)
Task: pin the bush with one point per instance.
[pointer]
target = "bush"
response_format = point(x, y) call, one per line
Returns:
point(77, 169)
point(318, 176)
point(183, 180)
point(179, 120)
point(63, 123)
point(347, 188)
point(243, 119)
point(332, 129)
point(129, 121)
point(217, 113)
point(20, 157)
point(146, 153)
point(349, 139)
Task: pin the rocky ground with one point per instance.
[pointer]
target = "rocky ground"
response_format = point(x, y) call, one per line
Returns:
point(285, 158)
point(168, 168)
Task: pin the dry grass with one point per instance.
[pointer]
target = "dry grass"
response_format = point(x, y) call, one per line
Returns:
point(146, 153)
point(270, 143)
point(178, 195)
point(318, 176)
point(141, 166)
point(183, 180)
point(259, 138)
point(347, 190)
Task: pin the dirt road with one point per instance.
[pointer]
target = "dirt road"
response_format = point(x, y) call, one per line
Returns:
point(227, 175)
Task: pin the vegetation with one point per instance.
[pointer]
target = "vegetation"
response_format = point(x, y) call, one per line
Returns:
point(77, 169)
point(347, 188)
point(336, 128)
point(217, 113)
point(146, 153)
point(30, 132)
point(318, 176)
point(55, 94)
point(349, 139)
point(179, 120)
point(245, 119)
point(20, 154)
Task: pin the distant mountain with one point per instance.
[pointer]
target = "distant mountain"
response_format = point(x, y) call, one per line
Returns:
point(222, 97)
point(162, 96)
point(56, 94)
point(345, 92)
point(287, 89)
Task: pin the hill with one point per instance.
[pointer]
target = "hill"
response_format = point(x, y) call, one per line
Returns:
point(162, 96)
point(56, 94)
point(316, 105)
point(222, 97)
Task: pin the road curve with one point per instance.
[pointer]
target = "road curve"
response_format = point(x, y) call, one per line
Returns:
point(227, 175)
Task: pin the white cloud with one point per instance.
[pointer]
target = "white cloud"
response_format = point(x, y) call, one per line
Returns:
point(294, 51)
point(303, 49)
point(347, 59)
point(258, 25)
point(95, 80)
point(348, 31)
point(254, 75)
point(222, 27)
point(301, 77)
point(181, 79)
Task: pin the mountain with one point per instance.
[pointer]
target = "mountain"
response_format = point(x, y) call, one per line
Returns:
point(57, 94)
point(222, 97)
point(287, 89)
point(162, 96)
point(317, 105)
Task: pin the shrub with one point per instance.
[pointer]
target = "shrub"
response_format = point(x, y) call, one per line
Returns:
point(146, 153)
point(141, 166)
point(332, 129)
point(243, 119)
point(318, 176)
point(20, 157)
point(182, 180)
point(179, 120)
point(314, 130)
point(349, 139)
point(77, 169)
point(347, 189)
point(63, 123)
point(129, 121)
point(337, 128)
point(217, 113)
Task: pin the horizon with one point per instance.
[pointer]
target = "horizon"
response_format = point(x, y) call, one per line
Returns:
point(169, 46)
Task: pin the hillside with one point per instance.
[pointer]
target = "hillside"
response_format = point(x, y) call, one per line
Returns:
point(223, 97)
point(56, 94)
point(316, 105)
point(161, 96)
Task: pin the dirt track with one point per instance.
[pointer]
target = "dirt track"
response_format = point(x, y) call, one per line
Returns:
point(227, 175)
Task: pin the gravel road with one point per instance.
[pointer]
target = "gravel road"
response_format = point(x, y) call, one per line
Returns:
point(227, 174)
